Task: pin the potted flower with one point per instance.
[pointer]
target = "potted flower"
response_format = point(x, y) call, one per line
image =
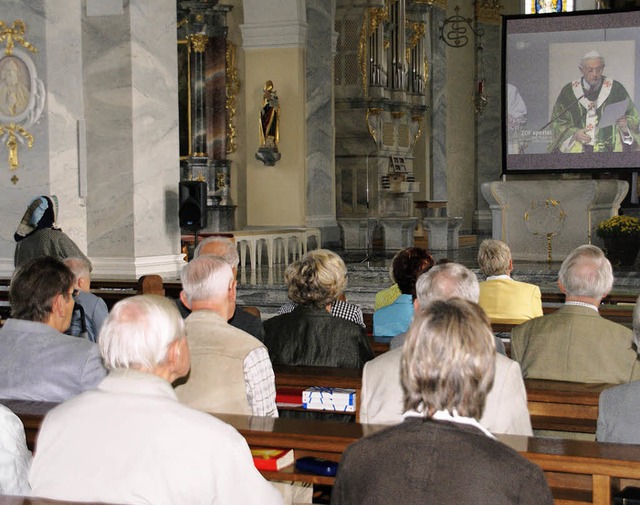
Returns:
point(621, 236)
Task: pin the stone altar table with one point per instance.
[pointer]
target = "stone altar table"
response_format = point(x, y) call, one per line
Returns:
point(545, 220)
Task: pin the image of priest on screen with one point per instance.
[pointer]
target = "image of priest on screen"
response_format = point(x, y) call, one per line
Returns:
point(516, 119)
point(594, 113)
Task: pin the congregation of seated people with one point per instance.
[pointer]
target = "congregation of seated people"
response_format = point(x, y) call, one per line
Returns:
point(148, 376)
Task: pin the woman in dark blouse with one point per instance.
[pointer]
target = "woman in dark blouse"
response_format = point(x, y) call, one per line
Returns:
point(310, 335)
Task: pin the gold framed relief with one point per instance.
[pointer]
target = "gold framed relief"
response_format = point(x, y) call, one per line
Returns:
point(22, 94)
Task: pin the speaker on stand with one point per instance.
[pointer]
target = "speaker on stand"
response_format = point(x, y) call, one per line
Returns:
point(193, 206)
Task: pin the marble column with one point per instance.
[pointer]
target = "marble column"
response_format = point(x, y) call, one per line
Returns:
point(439, 108)
point(488, 128)
point(130, 88)
point(321, 199)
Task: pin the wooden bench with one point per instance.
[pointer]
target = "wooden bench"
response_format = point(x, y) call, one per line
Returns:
point(563, 406)
point(579, 472)
point(553, 405)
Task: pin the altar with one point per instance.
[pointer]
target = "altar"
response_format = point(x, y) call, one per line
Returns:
point(545, 220)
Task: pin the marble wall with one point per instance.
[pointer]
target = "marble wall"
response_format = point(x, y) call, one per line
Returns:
point(51, 165)
point(107, 143)
point(488, 127)
point(438, 109)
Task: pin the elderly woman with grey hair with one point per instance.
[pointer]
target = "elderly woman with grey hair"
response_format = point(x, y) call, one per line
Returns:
point(310, 335)
point(121, 441)
point(440, 453)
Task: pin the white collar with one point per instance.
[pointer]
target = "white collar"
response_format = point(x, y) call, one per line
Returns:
point(444, 415)
point(582, 304)
point(501, 276)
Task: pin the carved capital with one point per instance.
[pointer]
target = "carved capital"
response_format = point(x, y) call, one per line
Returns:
point(199, 42)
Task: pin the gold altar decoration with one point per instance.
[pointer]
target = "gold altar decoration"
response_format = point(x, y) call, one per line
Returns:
point(417, 32)
point(17, 70)
point(372, 19)
point(362, 56)
point(374, 131)
point(545, 218)
point(12, 131)
point(233, 87)
point(14, 34)
point(426, 70)
point(417, 118)
point(199, 42)
point(489, 11)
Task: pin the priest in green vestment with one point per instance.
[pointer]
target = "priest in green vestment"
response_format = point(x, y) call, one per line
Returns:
point(578, 125)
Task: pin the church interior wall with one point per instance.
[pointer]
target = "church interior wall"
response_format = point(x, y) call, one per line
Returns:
point(113, 75)
point(460, 144)
point(50, 166)
point(276, 195)
point(239, 158)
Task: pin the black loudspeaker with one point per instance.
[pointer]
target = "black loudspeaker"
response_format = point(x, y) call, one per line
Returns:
point(193, 204)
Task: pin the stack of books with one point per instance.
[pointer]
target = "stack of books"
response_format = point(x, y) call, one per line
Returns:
point(335, 399)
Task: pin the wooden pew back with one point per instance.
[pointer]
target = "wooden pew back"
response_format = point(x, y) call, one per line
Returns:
point(553, 405)
point(579, 472)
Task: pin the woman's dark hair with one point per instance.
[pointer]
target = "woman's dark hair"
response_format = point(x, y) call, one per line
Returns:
point(408, 265)
point(35, 284)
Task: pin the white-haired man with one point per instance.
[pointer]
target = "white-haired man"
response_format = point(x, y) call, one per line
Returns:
point(226, 249)
point(131, 440)
point(87, 321)
point(575, 343)
point(382, 398)
point(231, 371)
point(619, 409)
point(580, 106)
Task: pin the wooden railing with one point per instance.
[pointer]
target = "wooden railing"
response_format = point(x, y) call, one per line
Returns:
point(579, 472)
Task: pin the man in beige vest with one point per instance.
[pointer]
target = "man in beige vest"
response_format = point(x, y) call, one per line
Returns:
point(231, 372)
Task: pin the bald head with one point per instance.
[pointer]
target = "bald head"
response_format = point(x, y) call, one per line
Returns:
point(82, 272)
point(449, 280)
point(223, 247)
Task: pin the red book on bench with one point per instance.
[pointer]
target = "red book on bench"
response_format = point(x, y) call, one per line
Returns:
point(272, 459)
point(289, 396)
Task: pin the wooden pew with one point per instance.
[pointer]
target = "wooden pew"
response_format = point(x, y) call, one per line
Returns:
point(307, 376)
point(579, 472)
point(563, 406)
point(553, 405)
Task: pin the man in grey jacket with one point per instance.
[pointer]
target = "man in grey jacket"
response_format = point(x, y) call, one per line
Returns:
point(619, 409)
point(90, 309)
point(37, 361)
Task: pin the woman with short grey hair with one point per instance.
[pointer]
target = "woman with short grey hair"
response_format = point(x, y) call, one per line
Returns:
point(310, 335)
